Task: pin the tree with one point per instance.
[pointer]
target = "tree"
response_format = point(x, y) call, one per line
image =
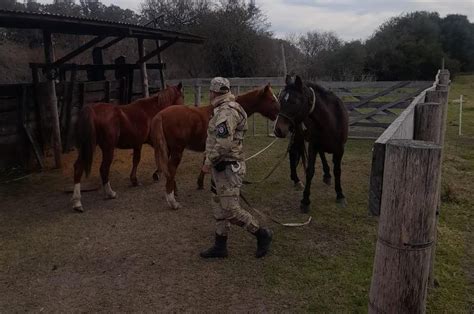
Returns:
point(406, 47)
point(457, 39)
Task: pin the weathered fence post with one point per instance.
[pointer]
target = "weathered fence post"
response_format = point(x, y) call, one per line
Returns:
point(197, 93)
point(143, 71)
point(428, 122)
point(439, 95)
point(406, 227)
point(52, 100)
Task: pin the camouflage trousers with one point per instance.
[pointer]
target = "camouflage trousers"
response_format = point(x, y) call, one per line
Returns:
point(225, 201)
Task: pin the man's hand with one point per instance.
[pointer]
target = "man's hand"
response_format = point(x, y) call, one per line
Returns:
point(206, 169)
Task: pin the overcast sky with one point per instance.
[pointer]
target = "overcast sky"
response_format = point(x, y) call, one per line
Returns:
point(350, 19)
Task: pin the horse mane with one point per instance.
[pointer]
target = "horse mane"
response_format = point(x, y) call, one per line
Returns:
point(319, 89)
point(164, 97)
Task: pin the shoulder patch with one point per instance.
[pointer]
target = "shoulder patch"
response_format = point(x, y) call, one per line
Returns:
point(222, 130)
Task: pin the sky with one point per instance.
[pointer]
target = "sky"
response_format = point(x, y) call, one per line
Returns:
point(349, 19)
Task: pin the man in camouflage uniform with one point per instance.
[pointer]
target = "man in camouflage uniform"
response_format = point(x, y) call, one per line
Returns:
point(225, 159)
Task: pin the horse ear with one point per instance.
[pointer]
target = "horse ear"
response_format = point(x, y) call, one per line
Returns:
point(267, 88)
point(180, 86)
point(299, 82)
point(288, 79)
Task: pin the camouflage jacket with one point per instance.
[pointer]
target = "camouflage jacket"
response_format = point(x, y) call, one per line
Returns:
point(226, 131)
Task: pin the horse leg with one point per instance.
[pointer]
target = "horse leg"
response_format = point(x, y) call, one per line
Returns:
point(173, 163)
point(76, 195)
point(294, 160)
point(309, 176)
point(107, 158)
point(326, 170)
point(337, 158)
point(200, 180)
point(136, 159)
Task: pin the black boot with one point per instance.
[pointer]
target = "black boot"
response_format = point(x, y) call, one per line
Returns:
point(264, 239)
point(218, 250)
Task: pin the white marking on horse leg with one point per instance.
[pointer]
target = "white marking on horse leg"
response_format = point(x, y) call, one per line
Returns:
point(276, 121)
point(109, 193)
point(172, 201)
point(76, 198)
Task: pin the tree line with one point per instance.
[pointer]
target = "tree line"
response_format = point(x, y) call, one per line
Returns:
point(239, 42)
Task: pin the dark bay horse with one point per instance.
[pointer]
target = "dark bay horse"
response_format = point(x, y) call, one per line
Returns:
point(110, 126)
point(326, 121)
point(177, 128)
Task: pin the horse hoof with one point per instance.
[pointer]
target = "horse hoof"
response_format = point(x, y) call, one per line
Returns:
point(327, 180)
point(304, 208)
point(136, 183)
point(299, 186)
point(156, 177)
point(175, 206)
point(200, 187)
point(78, 209)
point(341, 202)
point(111, 196)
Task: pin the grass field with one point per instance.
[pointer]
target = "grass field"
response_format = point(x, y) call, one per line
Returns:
point(134, 254)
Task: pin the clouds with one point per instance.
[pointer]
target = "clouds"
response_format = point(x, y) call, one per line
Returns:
point(350, 19)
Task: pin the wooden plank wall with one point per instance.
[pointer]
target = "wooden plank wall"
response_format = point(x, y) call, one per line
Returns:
point(15, 146)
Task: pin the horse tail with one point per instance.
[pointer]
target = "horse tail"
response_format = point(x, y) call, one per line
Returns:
point(160, 145)
point(86, 138)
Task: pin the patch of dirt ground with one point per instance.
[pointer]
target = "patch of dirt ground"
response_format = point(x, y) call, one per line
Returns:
point(127, 254)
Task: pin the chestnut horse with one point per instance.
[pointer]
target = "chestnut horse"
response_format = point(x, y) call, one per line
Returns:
point(110, 126)
point(177, 128)
point(327, 124)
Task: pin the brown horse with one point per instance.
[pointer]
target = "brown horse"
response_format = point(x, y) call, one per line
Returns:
point(110, 126)
point(326, 121)
point(177, 128)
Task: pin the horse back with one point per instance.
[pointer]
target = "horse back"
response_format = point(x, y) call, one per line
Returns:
point(331, 126)
point(186, 127)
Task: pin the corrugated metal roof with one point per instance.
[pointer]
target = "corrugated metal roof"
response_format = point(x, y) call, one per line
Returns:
point(64, 24)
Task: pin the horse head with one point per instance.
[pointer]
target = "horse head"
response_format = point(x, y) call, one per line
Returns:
point(177, 94)
point(268, 106)
point(296, 103)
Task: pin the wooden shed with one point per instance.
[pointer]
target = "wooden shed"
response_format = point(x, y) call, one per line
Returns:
point(41, 114)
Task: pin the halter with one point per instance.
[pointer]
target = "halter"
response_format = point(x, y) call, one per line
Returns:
point(313, 106)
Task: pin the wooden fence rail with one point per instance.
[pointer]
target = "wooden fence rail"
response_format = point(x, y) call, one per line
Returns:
point(384, 98)
point(405, 192)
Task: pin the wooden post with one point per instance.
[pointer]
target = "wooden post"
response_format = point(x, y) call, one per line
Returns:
point(130, 78)
point(52, 101)
point(39, 111)
point(107, 91)
point(143, 71)
point(428, 122)
point(283, 59)
point(406, 227)
point(197, 93)
point(67, 126)
point(160, 60)
point(440, 95)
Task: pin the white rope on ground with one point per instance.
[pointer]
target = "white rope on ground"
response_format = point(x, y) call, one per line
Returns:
point(262, 150)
